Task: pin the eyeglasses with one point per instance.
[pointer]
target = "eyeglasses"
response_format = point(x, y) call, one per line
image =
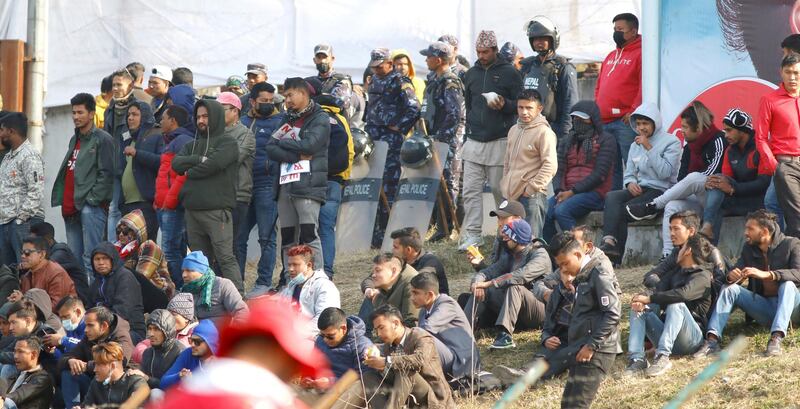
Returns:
point(196, 341)
point(28, 252)
point(124, 230)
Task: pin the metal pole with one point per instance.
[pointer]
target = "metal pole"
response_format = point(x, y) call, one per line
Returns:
point(651, 51)
point(36, 76)
point(519, 387)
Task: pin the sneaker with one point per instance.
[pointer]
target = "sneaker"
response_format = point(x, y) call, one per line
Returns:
point(774, 345)
point(642, 211)
point(707, 230)
point(258, 291)
point(635, 367)
point(609, 248)
point(709, 347)
point(660, 366)
point(476, 241)
point(503, 341)
point(506, 375)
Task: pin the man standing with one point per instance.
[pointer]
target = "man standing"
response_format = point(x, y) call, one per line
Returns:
point(85, 180)
point(262, 119)
point(552, 75)
point(301, 146)
point(137, 70)
point(256, 74)
point(392, 111)
point(458, 63)
point(209, 193)
point(778, 141)
point(401, 62)
point(21, 186)
point(158, 86)
point(491, 111)
point(530, 161)
point(338, 84)
point(500, 294)
point(247, 148)
point(407, 246)
point(443, 112)
point(619, 86)
point(594, 322)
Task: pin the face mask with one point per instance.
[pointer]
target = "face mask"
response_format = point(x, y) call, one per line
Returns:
point(619, 38)
point(297, 280)
point(582, 128)
point(108, 380)
point(68, 325)
point(264, 108)
point(323, 67)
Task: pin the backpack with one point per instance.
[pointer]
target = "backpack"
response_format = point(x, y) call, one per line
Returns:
point(340, 147)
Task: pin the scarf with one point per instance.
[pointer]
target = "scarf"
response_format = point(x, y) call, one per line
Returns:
point(126, 250)
point(201, 287)
point(295, 115)
point(696, 161)
point(581, 135)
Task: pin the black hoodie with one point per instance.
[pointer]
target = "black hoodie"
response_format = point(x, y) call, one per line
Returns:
point(118, 290)
point(210, 164)
point(149, 146)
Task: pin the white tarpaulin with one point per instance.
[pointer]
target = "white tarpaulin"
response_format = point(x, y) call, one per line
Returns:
point(88, 39)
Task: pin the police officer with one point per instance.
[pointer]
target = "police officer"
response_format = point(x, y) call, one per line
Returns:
point(458, 63)
point(550, 74)
point(392, 111)
point(443, 112)
point(334, 83)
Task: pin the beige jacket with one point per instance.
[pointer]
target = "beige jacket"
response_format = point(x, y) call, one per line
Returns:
point(531, 160)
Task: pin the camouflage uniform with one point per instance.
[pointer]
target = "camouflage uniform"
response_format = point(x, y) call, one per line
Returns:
point(21, 193)
point(391, 103)
point(341, 87)
point(443, 111)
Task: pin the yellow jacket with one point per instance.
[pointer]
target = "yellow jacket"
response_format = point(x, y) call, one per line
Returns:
point(418, 83)
point(100, 110)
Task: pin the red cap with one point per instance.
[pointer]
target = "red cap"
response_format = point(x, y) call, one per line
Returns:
point(274, 318)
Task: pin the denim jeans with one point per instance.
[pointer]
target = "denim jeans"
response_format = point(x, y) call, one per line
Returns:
point(776, 312)
point(114, 212)
point(173, 241)
point(74, 388)
point(85, 231)
point(624, 135)
point(771, 203)
point(535, 209)
point(263, 212)
point(678, 333)
point(327, 225)
point(568, 211)
point(11, 236)
point(718, 204)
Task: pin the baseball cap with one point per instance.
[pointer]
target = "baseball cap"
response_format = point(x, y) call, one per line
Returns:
point(256, 68)
point(161, 72)
point(277, 319)
point(438, 49)
point(509, 208)
point(229, 98)
point(449, 39)
point(580, 114)
point(378, 56)
point(324, 49)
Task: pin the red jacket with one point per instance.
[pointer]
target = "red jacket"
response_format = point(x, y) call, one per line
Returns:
point(619, 84)
point(777, 128)
point(168, 184)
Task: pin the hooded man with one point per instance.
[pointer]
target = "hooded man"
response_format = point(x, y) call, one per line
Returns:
point(143, 256)
point(301, 145)
point(142, 149)
point(262, 119)
point(209, 164)
point(343, 339)
point(116, 288)
point(530, 160)
point(586, 159)
point(164, 348)
point(183, 95)
point(191, 361)
point(402, 64)
point(653, 165)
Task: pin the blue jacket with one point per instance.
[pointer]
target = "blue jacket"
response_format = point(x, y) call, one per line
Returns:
point(205, 330)
point(149, 147)
point(183, 96)
point(350, 352)
point(73, 337)
point(265, 171)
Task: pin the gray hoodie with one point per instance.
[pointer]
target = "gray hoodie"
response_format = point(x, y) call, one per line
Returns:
point(156, 360)
point(658, 167)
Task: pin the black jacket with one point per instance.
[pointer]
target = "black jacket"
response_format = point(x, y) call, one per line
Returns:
point(741, 165)
point(669, 266)
point(210, 164)
point(114, 393)
point(597, 308)
point(36, 391)
point(62, 254)
point(712, 152)
point(313, 140)
point(149, 146)
point(561, 81)
point(119, 290)
point(524, 268)
point(483, 123)
point(427, 261)
point(8, 282)
point(690, 286)
point(782, 258)
point(119, 333)
point(156, 361)
point(604, 159)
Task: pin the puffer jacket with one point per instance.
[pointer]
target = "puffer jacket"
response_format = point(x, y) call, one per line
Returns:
point(265, 171)
point(313, 138)
point(531, 159)
point(169, 182)
point(119, 290)
point(351, 351)
point(578, 172)
point(156, 360)
point(209, 164)
point(247, 148)
point(597, 308)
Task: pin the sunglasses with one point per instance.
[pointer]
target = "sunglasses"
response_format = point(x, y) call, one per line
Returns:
point(28, 252)
point(196, 341)
point(126, 231)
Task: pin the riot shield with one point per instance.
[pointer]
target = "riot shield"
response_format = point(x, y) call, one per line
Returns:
point(360, 197)
point(416, 196)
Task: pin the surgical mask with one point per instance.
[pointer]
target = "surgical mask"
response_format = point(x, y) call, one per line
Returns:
point(108, 380)
point(619, 38)
point(68, 325)
point(323, 67)
point(297, 280)
point(265, 108)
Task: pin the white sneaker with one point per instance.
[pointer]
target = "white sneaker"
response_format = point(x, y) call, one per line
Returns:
point(258, 291)
point(476, 241)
